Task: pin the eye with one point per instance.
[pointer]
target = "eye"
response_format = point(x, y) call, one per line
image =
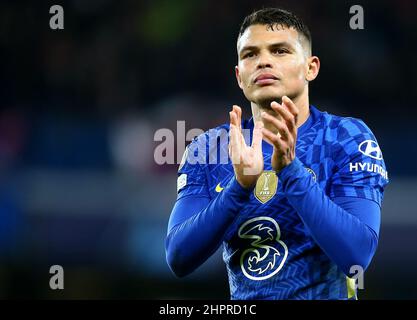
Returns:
point(248, 55)
point(280, 51)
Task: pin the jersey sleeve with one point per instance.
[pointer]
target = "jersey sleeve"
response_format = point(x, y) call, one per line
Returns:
point(359, 167)
point(192, 172)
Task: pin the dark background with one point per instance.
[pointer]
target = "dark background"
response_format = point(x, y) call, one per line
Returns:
point(79, 107)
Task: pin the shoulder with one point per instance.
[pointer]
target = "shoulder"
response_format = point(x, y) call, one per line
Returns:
point(341, 125)
point(348, 136)
point(199, 150)
point(342, 129)
point(204, 139)
point(354, 141)
point(354, 136)
point(353, 128)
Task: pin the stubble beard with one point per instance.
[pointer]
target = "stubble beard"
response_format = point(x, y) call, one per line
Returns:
point(265, 102)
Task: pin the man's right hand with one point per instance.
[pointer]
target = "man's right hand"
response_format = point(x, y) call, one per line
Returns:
point(248, 161)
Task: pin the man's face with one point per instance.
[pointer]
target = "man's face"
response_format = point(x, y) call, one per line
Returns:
point(272, 63)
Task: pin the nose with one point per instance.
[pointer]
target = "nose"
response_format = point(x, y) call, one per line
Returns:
point(264, 61)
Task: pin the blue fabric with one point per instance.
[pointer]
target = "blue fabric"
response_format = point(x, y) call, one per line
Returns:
point(197, 226)
point(346, 228)
point(341, 233)
point(276, 241)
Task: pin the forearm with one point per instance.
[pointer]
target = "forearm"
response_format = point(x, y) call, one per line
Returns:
point(193, 240)
point(344, 237)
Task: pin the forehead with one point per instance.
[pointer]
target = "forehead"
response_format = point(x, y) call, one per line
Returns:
point(259, 35)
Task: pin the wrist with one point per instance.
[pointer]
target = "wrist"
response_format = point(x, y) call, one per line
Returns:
point(277, 171)
point(237, 188)
point(245, 185)
point(291, 169)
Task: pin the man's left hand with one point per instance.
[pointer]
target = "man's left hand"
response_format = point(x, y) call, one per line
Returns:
point(286, 125)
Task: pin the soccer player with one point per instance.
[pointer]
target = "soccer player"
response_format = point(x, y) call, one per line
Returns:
point(297, 203)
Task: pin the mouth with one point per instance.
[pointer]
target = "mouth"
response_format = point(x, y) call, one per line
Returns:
point(265, 79)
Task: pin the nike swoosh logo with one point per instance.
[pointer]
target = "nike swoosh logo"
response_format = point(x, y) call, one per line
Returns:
point(219, 188)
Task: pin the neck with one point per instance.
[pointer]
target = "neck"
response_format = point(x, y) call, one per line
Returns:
point(302, 102)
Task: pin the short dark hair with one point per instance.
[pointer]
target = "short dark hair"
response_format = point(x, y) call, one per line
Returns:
point(273, 17)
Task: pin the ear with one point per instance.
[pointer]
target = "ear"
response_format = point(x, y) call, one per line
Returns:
point(313, 68)
point(239, 80)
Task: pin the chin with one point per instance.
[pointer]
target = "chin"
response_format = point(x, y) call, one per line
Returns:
point(264, 100)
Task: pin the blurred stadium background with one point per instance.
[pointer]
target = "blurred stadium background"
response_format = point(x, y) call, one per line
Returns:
point(79, 108)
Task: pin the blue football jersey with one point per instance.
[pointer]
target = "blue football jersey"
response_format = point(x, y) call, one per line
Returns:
point(268, 251)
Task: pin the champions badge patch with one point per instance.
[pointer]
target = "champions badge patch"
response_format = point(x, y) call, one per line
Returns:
point(266, 186)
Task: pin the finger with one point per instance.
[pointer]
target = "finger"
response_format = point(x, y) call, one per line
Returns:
point(233, 117)
point(237, 141)
point(232, 131)
point(286, 115)
point(238, 112)
point(233, 144)
point(279, 124)
point(273, 139)
point(291, 106)
point(257, 136)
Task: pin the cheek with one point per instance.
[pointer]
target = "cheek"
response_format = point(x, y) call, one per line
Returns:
point(294, 70)
point(244, 75)
point(245, 81)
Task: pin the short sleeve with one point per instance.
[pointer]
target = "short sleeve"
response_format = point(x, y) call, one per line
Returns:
point(192, 172)
point(359, 167)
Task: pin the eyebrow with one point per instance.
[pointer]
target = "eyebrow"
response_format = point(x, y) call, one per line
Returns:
point(272, 45)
